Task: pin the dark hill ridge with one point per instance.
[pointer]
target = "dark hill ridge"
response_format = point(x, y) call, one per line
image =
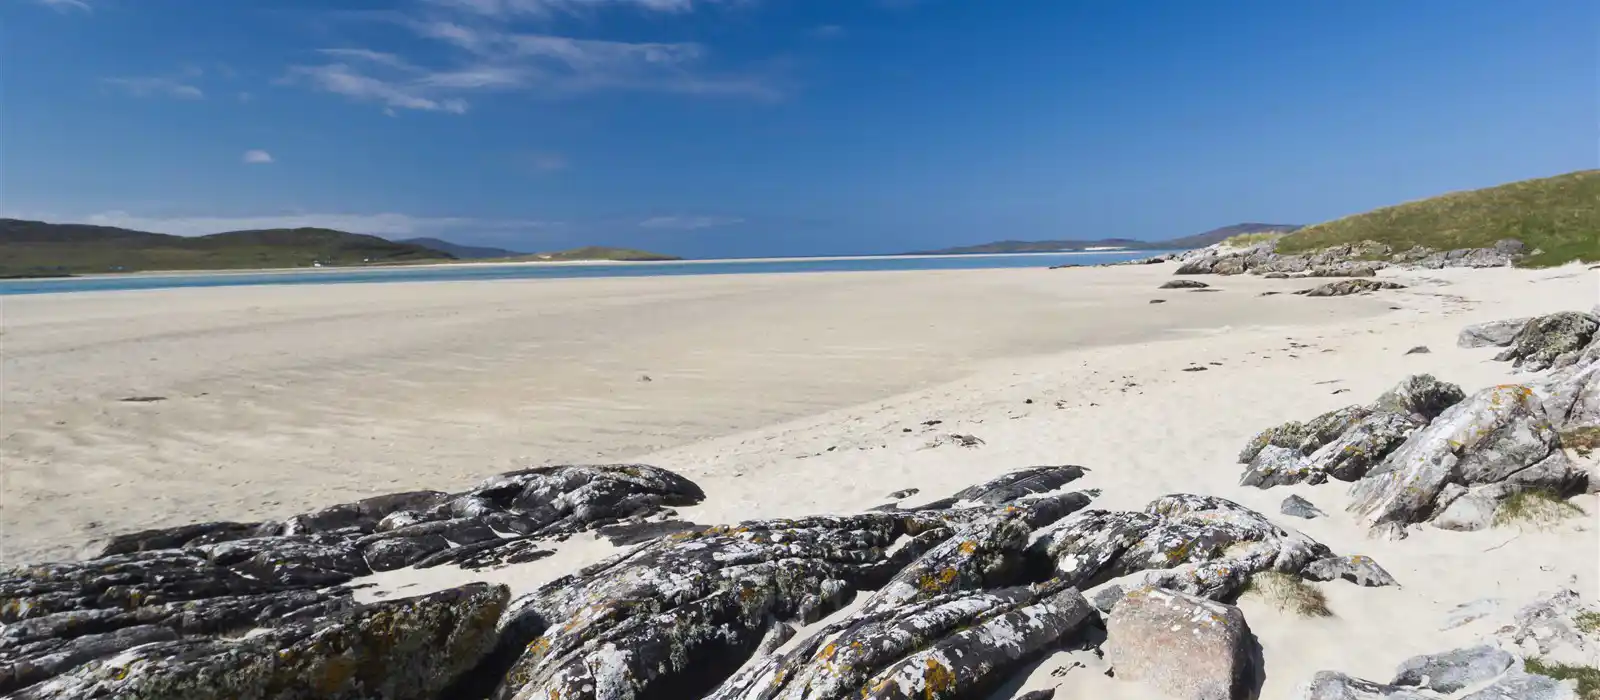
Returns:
point(38, 248)
point(30, 247)
point(1199, 240)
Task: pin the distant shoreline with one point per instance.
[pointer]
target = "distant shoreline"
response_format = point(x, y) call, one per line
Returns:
point(551, 263)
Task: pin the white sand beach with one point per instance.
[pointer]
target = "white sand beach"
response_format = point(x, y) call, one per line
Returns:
point(780, 395)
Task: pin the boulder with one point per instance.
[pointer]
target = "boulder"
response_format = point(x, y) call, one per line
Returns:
point(1469, 512)
point(409, 649)
point(1188, 647)
point(1420, 396)
point(1183, 284)
point(1493, 333)
point(1453, 670)
point(1572, 404)
point(1556, 340)
point(1349, 287)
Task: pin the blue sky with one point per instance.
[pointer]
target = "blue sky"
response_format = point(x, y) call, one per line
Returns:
point(778, 127)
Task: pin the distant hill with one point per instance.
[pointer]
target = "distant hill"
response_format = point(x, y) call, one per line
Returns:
point(37, 247)
point(1199, 240)
point(461, 252)
point(597, 252)
point(1035, 247)
point(1218, 235)
point(1558, 215)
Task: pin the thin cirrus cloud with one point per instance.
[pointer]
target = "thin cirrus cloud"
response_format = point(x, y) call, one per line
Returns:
point(485, 54)
point(689, 223)
point(257, 157)
point(67, 5)
point(157, 87)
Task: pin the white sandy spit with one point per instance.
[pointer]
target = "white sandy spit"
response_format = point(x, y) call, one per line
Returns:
point(780, 395)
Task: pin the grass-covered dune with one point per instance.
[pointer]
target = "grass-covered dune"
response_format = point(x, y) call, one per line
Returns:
point(1559, 216)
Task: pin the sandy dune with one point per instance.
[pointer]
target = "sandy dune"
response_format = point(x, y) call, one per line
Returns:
point(780, 395)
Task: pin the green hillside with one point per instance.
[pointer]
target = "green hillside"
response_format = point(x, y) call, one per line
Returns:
point(39, 248)
point(1558, 215)
point(599, 252)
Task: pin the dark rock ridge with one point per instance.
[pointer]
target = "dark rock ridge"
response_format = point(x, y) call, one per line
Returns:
point(212, 579)
point(1348, 287)
point(1346, 260)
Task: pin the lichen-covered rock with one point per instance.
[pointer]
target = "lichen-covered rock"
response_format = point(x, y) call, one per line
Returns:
point(1493, 333)
point(1279, 466)
point(1188, 647)
point(1305, 438)
point(1572, 403)
point(1202, 545)
point(1555, 340)
point(1332, 685)
point(1471, 511)
point(1453, 670)
point(408, 649)
point(1358, 569)
point(1420, 397)
point(1361, 447)
point(182, 535)
point(1493, 437)
point(1526, 686)
point(1011, 487)
point(1349, 287)
point(1551, 628)
point(956, 645)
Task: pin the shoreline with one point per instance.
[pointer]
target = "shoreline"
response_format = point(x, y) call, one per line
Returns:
point(544, 263)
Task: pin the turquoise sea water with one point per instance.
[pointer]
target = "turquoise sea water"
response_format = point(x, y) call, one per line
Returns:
point(507, 272)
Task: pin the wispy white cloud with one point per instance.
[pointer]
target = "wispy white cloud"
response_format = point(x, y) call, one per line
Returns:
point(689, 223)
point(67, 5)
point(488, 53)
point(257, 157)
point(383, 224)
point(157, 87)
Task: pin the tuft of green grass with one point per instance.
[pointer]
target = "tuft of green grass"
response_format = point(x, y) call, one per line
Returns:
point(1558, 216)
point(1289, 594)
point(1536, 507)
point(1245, 240)
point(1588, 677)
point(1585, 441)
point(1588, 621)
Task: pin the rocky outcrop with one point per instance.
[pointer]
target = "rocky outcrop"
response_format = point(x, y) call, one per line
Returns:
point(1553, 341)
point(1298, 507)
point(1349, 287)
point(410, 649)
point(1188, 647)
point(1454, 670)
point(196, 582)
point(1201, 545)
point(953, 645)
point(1493, 444)
point(1345, 443)
point(1349, 259)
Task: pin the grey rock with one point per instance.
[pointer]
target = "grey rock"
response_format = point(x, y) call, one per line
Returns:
point(1526, 686)
point(1492, 333)
point(1300, 508)
point(1184, 284)
point(1556, 340)
point(1332, 685)
point(1419, 350)
point(1349, 287)
point(1202, 545)
point(1358, 569)
point(1472, 511)
point(1361, 447)
point(1453, 670)
point(1106, 598)
point(1549, 628)
point(1277, 466)
point(410, 649)
point(1572, 404)
point(1420, 396)
point(1188, 647)
point(951, 646)
point(1488, 438)
point(175, 537)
